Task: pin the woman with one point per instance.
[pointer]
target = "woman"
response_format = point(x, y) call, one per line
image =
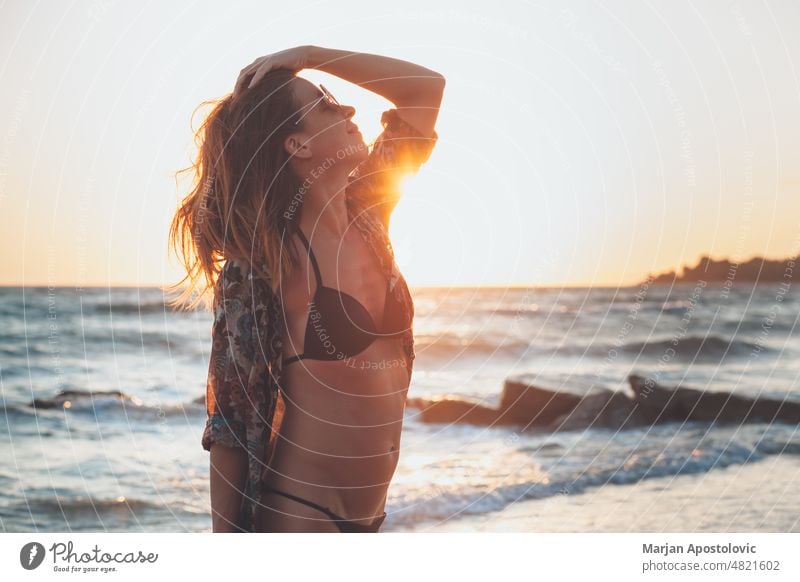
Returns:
point(312, 341)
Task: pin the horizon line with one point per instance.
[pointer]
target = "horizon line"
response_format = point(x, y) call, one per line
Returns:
point(649, 275)
point(440, 286)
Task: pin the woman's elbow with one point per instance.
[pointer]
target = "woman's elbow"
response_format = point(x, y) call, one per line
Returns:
point(438, 83)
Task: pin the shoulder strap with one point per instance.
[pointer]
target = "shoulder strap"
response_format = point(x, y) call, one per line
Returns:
point(311, 255)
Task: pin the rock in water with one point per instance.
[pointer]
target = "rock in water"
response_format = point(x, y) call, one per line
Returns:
point(450, 410)
point(605, 409)
point(87, 398)
point(528, 405)
point(659, 405)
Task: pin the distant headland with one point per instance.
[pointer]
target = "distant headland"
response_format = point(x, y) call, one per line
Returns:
point(757, 269)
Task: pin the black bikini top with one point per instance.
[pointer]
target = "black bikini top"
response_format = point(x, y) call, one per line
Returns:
point(339, 326)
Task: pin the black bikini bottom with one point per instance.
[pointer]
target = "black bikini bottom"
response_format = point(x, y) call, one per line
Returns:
point(344, 525)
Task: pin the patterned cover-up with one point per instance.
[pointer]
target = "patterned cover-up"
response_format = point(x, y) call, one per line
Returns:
point(243, 393)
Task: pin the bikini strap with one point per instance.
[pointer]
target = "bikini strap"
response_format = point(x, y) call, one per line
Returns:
point(311, 255)
point(316, 506)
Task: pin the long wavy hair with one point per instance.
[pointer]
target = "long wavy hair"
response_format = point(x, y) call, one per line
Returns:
point(243, 188)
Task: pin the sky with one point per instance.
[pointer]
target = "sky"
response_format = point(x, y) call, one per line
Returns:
point(580, 143)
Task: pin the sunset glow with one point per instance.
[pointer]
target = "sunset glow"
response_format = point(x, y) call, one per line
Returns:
point(577, 147)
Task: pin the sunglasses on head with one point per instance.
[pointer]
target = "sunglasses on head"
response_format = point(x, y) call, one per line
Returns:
point(326, 96)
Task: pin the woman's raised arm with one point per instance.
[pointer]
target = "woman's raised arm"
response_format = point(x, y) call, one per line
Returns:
point(416, 91)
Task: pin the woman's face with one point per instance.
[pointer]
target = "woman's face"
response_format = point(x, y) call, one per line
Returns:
point(327, 128)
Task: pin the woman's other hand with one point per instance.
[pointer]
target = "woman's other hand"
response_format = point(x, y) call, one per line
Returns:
point(295, 59)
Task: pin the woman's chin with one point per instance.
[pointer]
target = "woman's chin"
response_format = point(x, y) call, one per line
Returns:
point(358, 150)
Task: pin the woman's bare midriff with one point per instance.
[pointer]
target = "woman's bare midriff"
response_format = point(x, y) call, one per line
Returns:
point(339, 439)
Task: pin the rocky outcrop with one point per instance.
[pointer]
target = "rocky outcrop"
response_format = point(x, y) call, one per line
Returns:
point(606, 409)
point(522, 403)
point(660, 404)
point(529, 406)
point(450, 410)
point(758, 269)
point(69, 398)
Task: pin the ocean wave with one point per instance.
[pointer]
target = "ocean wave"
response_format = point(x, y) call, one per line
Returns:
point(88, 505)
point(134, 308)
point(24, 349)
point(757, 325)
point(450, 345)
point(73, 337)
point(694, 346)
point(413, 507)
point(122, 339)
point(105, 401)
point(778, 448)
point(522, 312)
point(13, 410)
point(8, 371)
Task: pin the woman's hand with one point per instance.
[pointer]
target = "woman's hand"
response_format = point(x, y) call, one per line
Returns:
point(295, 59)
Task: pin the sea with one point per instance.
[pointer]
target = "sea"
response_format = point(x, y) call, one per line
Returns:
point(123, 453)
